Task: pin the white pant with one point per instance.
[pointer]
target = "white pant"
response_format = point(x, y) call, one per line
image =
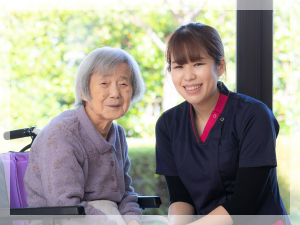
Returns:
point(110, 209)
point(107, 207)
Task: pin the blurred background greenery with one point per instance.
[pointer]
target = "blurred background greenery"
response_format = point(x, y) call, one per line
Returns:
point(46, 47)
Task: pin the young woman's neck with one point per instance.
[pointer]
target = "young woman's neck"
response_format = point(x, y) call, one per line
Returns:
point(204, 110)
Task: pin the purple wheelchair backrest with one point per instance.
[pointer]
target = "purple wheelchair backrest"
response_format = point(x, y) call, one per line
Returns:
point(15, 166)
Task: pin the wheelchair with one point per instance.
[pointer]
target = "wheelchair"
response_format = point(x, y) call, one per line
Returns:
point(13, 204)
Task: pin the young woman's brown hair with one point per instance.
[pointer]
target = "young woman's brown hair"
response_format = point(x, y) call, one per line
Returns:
point(197, 39)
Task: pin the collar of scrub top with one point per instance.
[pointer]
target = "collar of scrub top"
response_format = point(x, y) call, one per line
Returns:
point(224, 94)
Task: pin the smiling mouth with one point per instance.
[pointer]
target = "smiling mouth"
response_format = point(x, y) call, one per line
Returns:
point(193, 88)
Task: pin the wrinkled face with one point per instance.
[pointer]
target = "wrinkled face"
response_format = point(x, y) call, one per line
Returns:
point(111, 94)
point(196, 82)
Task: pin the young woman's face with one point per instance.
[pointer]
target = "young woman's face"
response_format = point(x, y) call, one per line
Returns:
point(196, 82)
point(111, 94)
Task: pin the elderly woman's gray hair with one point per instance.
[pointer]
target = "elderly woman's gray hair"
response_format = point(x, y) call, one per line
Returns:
point(106, 59)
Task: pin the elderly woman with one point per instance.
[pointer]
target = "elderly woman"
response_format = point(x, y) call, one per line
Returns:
point(81, 155)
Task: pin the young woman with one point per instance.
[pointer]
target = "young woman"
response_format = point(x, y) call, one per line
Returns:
point(216, 149)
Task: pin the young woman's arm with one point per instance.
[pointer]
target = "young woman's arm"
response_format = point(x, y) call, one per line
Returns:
point(180, 213)
point(182, 209)
point(250, 184)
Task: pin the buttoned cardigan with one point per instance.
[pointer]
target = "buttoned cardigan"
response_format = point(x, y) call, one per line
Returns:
point(71, 164)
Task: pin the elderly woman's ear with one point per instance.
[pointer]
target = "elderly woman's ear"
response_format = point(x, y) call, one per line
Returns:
point(84, 99)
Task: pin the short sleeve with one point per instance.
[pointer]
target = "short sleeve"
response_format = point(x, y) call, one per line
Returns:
point(165, 163)
point(258, 140)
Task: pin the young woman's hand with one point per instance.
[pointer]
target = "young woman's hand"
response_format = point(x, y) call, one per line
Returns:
point(219, 216)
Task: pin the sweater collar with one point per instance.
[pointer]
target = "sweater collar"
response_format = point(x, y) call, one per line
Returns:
point(96, 138)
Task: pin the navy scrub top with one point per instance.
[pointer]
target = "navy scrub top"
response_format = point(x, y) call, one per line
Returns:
point(241, 132)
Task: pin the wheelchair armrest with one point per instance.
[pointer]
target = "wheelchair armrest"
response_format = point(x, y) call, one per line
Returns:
point(59, 210)
point(143, 201)
point(149, 201)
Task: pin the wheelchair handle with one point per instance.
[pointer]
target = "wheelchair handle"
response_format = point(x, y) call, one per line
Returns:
point(25, 132)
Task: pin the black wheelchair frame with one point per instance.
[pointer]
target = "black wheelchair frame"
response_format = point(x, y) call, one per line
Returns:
point(144, 201)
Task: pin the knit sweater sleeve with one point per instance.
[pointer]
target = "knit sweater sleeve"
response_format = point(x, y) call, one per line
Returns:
point(54, 175)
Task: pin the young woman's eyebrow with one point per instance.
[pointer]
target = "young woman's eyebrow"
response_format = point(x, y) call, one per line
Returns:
point(199, 60)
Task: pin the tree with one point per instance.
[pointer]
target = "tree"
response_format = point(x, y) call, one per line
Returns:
point(47, 47)
point(181, 16)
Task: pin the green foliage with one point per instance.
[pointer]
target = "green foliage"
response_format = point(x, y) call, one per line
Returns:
point(47, 47)
point(4, 71)
point(284, 188)
point(282, 49)
point(145, 181)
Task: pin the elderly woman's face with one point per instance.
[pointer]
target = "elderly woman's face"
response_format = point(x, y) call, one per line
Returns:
point(111, 94)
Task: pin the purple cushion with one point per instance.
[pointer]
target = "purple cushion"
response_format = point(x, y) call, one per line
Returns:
point(21, 160)
point(15, 166)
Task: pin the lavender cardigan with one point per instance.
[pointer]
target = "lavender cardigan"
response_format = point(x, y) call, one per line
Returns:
point(70, 164)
